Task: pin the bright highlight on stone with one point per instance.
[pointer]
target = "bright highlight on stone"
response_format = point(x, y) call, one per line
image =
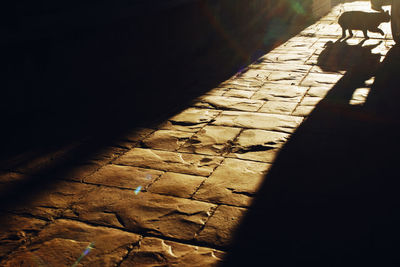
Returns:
point(148, 177)
point(137, 190)
point(84, 253)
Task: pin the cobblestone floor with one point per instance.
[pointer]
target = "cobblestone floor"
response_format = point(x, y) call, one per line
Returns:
point(173, 195)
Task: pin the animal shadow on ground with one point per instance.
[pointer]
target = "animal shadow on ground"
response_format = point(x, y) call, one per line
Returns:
point(331, 197)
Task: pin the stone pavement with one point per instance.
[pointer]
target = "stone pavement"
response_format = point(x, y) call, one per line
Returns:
point(173, 195)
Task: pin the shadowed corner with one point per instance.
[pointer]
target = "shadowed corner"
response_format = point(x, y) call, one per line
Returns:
point(331, 197)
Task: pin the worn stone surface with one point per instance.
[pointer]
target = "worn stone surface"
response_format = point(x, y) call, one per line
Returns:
point(280, 92)
point(285, 67)
point(123, 176)
point(143, 212)
point(10, 177)
point(17, 231)
point(78, 172)
point(61, 244)
point(158, 252)
point(136, 135)
point(52, 201)
point(240, 82)
point(190, 120)
point(170, 161)
point(217, 91)
point(220, 228)
point(176, 184)
point(317, 79)
point(273, 122)
point(239, 93)
point(194, 173)
point(254, 74)
point(310, 101)
point(258, 145)
point(166, 139)
point(319, 91)
point(211, 140)
point(292, 78)
point(303, 111)
point(235, 182)
point(278, 107)
point(229, 103)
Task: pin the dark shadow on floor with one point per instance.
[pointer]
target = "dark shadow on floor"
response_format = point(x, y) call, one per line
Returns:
point(332, 196)
point(69, 78)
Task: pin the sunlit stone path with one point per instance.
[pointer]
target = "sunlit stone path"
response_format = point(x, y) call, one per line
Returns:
point(173, 195)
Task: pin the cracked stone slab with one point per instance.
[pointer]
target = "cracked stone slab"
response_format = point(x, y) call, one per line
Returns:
point(158, 252)
point(170, 161)
point(190, 120)
point(143, 212)
point(280, 92)
point(52, 201)
point(17, 231)
point(62, 242)
point(317, 79)
point(239, 93)
point(211, 140)
point(278, 107)
point(264, 121)
point(235, 182)
point(258, 145)
point(220, 228)
point(123, 176)
point(229, 103)
point(176, 184)
point(169, 140)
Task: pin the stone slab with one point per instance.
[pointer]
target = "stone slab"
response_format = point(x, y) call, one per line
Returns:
point(158, 252)
point(53, 200)
point(169, 140)
point(280, 92)
point(190, 120)
point(258, 145)
point(142, 212)
point(220, 228)
point(228, 103)
point(123, 176)
point(62, 243)
point(176, 184)
point(17, 231)
point(278, 107)
point(239, 93)
point(235, 182)
point(170, 161)
point(211, 140)
point(264, 121)
point(318, 79)
point(293, 78)
point(303, 111)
